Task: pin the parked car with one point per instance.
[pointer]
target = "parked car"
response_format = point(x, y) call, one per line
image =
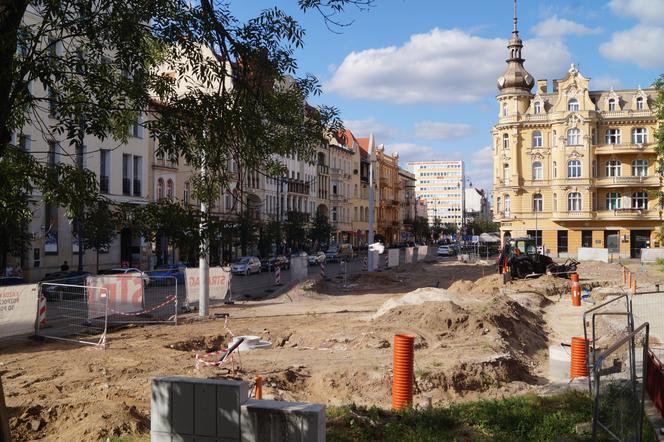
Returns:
point(445, 251)
point(337, 252)
point(269, 264)
point(165, 272)
point(11, 280)
point(128, 271)
point(316, 258)
point(246, 265)
point(60, 292)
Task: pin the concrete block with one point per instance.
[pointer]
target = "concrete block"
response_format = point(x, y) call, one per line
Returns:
point(592, 254)
point(182, 405)
point(652, 255)
point(408, 257)
point(393, 257)
point(277, 421)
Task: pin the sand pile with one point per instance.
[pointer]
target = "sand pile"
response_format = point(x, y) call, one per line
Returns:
point(488, 285)
point(416, 297)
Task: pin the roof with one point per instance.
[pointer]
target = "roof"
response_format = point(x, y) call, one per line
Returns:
point(364, 147)
point(345, 138)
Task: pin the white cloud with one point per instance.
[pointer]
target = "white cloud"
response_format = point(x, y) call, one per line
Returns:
point(413, 152)
point(480, 170)
point(640, 45)
point(483, 157)
point(362, 128)
point(647, 11)
point(557, 28)
point(432, 130)
point(605, 83)
point(441, 66)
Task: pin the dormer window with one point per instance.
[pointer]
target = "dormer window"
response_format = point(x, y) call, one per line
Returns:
point(639, 103)
point(537, 107)
point(573, 105)
point(612, 104)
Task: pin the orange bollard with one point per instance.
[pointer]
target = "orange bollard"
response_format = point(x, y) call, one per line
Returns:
point(624, 275)
point(633, 286)
point(579, 362)
point(576, 290)
point(258, 394)
point(402, 371)
point(629, 278)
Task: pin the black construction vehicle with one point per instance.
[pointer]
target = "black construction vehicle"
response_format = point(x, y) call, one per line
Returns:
point(524, 260)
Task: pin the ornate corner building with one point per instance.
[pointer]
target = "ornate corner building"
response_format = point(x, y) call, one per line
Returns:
point(574, 167)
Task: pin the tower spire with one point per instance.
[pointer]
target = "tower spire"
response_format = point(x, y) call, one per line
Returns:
point(516, 78)
point(516, 31)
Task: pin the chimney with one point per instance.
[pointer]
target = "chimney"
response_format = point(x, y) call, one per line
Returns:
point(541, 86)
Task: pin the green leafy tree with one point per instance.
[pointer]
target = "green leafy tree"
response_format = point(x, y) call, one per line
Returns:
point(659, 136)
point(320, 230)
point(246, 228)
point(450, 229)
point(482, 225)
point(100, 229)
point(295, 229)
point(437, 228)
point(270, 236)
point(421, 229)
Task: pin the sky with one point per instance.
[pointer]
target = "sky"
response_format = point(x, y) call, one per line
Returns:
point(421, 74)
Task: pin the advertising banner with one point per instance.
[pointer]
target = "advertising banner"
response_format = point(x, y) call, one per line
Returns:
point(18, 309)
point(219, 279)
point(125, 294)
point(393, 257)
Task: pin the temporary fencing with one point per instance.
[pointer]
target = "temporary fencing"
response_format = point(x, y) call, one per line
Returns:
point(72, 315)
point(618, 392)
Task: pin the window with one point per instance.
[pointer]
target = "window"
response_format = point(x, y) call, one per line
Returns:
point(594, 168)
point(573, 105)
point(553, 138)
point(573, 136)
point(334, 214)
point(160, 189)
point(506, 174)
point(187, 192)
point(613, 168)
point(537, 107)
point(537, 202)
point(505, 111)
point(640, 168)
point(136, 129)
point(104, 170)
point(639, 200)
point(506, 141)
point(507, 205)
point(612, 136)
point(24, 143)
point(138, 172)
point(126, 174)
point(555, 169)
point(612, 104)
point(52, 155)
point(574, 169)
point(498, 204)
point(613, 200)
point(555, 202)
point(537, 170)
point(52, 103)
point(169, 189)
point(586, 238)
point(640, 135)
point(562, 241)
point(537, 139)
point(574, 202)
point(594, 136)
point(639, 103)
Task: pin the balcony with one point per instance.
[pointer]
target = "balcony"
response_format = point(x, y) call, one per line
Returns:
point(624, 148)
point(626, 114)
point(626, 181)
point(323, 169)
point(570, 215)
point(298, 186)
point(629, 213)
point(338, 198)
point(336, 172)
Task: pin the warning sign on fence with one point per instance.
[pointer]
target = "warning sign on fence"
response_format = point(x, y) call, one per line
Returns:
point(125, 294)
point(219, 278)
point(18, 309)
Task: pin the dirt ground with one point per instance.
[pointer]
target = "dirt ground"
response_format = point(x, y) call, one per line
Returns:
point(331, 344)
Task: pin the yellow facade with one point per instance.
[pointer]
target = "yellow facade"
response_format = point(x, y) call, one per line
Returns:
point(577, 166)
point(388, 222)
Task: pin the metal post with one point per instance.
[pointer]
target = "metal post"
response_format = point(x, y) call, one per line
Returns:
point(203, 261)
point(372, 203)
point(176, 300)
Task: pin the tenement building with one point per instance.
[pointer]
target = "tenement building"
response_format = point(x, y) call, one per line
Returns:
point(574, 167)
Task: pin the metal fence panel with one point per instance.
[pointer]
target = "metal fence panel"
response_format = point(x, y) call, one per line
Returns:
point(619, 388)
point(161, 299)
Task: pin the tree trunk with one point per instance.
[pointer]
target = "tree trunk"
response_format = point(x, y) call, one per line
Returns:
point(11, 13)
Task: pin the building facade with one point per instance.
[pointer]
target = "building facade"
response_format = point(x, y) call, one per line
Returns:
point(386, 178)
point(342, 153)
point(441, 185)
point(574, 167)
point(477, 205)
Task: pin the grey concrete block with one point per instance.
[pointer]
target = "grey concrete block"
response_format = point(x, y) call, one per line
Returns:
point(160, 436)
point(160, 415)
point(205, 404)
point(183, 409)
point(276, 421)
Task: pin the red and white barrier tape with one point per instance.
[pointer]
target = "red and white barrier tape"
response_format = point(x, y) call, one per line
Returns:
point(168, 301)
point(204, 359)
point(42, 311)
point(226, 327)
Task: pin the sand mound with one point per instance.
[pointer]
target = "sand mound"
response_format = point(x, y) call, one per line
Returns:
point(488, 285)
point(416, 297)
point(436, 317)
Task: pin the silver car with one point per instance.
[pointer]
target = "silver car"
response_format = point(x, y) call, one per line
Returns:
point(246, 266)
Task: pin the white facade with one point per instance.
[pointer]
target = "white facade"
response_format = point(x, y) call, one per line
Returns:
point(441, 184)
point(476, 203)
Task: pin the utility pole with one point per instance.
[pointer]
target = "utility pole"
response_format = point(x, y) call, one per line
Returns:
point(370, 238)
point(203, 261)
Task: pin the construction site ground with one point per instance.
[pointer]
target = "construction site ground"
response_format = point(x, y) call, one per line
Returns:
point(331, 344)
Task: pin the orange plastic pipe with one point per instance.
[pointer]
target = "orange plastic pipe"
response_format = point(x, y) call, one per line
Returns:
point(633, 287)
point(624, 275)
point(579, 361)
point(402, 371)
point(629, 278)
point(258, 394)
point(576, 290)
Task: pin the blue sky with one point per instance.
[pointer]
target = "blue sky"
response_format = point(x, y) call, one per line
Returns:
point(421, 74)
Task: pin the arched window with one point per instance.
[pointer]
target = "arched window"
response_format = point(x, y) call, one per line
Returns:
point(537, 139)
point(507, 205)
point(574, 169)
point(169, 189)
point(506, 141)
point(613, 200)
point(612, 104)
point(574, 202)
point(639, 200)
point(160, 189)
point(613, 168)
point(537, 171)
point(639, 103)
point(537, 202)
point(573, 105)
point(573, 136)
point(639, 135)
point(537, 107)
point(640, 168)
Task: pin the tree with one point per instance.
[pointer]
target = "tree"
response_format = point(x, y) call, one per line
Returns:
point(100, 227)
point(421, 228)
point(270, 236)
point(482, 225)
point(246, 229)
point(295, 230)
point(436, 229)
point(320, 230)
point(659, 137)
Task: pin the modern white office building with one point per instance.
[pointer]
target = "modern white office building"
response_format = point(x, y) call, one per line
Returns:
point(441, 185)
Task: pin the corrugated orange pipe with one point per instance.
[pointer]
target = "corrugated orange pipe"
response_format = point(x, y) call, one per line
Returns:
point(258, 394)
point(579, 362)
point(576, 290)
point(629, 278)
point(633, 287)
point(402, 371)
